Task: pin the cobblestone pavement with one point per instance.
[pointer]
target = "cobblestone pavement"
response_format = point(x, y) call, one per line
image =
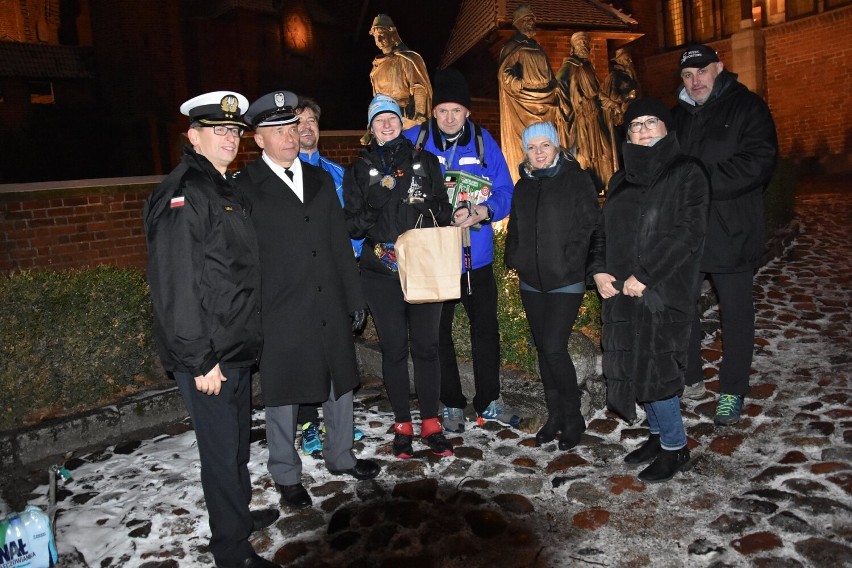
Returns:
point(773, 490)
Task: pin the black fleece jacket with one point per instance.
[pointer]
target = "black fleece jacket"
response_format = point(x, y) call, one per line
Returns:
point(554, 212)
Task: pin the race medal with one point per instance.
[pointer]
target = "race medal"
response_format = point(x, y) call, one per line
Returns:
point(388, 182)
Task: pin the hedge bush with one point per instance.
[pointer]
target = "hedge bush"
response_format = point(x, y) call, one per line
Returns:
point(73, 339)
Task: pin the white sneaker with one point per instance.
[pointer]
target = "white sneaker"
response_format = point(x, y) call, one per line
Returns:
point(695, 392)
point(497, 411)
point(453, 419)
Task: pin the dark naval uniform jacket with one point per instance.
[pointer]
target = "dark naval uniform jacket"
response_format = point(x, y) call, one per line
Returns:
point(203, 270)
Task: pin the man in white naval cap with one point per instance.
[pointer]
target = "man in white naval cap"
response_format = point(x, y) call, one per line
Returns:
point(204, 274)
point(312, 298)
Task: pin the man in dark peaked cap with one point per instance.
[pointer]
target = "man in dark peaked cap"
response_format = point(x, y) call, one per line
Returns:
point(312, 298)
point(204, 274)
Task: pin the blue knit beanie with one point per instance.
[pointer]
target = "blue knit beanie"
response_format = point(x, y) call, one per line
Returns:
point(545, 129)
point(382, 103)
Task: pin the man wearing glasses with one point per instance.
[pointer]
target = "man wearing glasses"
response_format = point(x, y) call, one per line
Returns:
point(729, 128)
point(204, 274)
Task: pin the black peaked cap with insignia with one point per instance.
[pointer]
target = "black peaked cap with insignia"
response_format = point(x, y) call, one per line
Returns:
point(273, 109)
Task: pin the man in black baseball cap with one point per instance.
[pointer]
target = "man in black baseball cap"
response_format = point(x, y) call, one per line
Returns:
point(730, 129)
point(699, 67)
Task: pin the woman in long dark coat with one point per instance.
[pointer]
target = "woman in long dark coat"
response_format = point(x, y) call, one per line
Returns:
point(645, 264)
point(554, 212)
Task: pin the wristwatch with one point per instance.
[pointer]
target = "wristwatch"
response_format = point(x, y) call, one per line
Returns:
point(490, 214)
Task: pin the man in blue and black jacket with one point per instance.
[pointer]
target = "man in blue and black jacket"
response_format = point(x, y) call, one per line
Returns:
point(462, 145)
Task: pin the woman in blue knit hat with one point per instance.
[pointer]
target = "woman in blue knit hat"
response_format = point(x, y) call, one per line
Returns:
point(388, 186)
point(554, 212)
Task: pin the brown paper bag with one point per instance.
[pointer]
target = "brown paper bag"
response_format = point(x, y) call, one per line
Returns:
point(429, 261)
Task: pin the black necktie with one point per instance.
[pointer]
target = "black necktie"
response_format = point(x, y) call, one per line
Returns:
point(289, 173)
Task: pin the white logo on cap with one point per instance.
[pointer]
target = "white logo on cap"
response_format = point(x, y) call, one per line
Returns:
point(690, 55)
point(279, 100)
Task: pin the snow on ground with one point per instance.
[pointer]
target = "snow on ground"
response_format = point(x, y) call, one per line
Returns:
point(773, 490)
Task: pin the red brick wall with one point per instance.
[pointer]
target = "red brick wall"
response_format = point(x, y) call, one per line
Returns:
point(90, 222)
point(807, 63)
point(73, 226)
point(803, 69)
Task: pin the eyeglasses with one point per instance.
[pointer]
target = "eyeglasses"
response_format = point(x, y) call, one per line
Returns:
point(220, 130)
point(649, 124)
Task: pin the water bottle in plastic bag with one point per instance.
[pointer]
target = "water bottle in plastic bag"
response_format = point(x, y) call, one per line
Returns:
point(26, 540)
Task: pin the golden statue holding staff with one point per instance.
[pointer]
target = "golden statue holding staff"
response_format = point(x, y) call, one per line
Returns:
point(400, 73)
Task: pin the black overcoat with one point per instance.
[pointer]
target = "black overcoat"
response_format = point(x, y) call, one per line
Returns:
point(653, 226)
point(310, 286)
point(734, 136)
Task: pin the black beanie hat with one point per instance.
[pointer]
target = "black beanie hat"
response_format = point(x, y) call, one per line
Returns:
point(450, 86)
point(649, 107)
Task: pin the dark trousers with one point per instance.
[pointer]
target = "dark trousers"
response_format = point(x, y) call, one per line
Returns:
point(308, 413)
point(551, 318)
point(404, 327)
point(736, 312)
point(481, 308)
point(222, 426)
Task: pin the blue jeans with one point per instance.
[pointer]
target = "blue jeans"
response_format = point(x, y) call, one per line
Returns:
point(664, 419)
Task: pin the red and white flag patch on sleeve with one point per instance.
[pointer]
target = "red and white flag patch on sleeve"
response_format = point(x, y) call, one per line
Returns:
point(177, 201)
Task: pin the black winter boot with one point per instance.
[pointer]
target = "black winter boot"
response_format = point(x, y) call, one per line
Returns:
point(646, 452)
point(573, 424)
point(551, 427)
point(666, 465)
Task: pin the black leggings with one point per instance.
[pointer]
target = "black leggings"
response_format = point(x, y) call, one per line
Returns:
point(551, 318)
point(397, 321)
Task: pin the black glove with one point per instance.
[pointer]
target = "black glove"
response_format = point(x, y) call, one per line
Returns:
point(653, 301)
point(425, 206)
point(359, 317)
point(378, 196)
point(466, 207)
